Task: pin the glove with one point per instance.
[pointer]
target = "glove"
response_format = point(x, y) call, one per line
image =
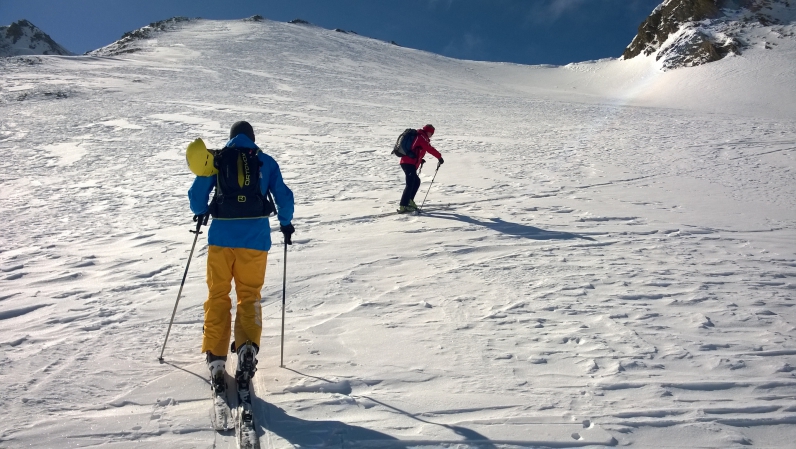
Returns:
point(287, 231)
point(441, 161)
point(201, 219)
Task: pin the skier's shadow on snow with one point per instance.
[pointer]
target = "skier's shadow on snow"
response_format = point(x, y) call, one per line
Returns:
point(508, 228)
point(303, 433)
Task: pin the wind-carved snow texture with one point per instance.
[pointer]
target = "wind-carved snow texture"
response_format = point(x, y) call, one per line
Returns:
point(595, 266)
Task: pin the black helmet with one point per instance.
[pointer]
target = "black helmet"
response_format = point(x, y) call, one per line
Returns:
point(242, 128)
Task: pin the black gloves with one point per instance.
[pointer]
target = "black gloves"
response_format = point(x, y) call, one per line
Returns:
point(287, 231)
point(441, 161)
point(201, 219)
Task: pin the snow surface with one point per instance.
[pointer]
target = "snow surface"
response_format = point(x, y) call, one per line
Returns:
point(608, 255)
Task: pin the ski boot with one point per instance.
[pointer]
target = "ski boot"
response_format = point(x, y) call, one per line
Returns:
point(407, 209)
point(217, 367)
point(247, 362)
point(247, 365)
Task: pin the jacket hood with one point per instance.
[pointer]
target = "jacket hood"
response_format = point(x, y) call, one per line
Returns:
point(241, 141)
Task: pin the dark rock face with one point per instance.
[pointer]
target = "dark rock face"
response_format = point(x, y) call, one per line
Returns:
point(668, 18)
point(24, 38)
point(665, 20)
point(695, 49)
point(704, 32)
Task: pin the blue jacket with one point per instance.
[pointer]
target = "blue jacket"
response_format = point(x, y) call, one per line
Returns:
point(252, 233)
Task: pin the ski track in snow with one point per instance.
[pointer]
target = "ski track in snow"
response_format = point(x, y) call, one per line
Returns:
point(627, 270)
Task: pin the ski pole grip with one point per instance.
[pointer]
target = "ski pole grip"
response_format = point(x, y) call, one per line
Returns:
point(200, 220)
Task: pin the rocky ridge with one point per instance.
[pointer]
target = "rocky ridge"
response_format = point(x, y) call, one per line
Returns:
point(131, 40)
point(685, 33)
point(22, 38)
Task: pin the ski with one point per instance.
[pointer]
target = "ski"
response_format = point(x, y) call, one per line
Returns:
point(221, 412)
point(245, 427)
point(398, 212)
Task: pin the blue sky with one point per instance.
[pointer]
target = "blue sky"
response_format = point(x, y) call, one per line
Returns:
point(521, 31)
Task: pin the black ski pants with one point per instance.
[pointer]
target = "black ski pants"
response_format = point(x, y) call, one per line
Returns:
point(412, 183)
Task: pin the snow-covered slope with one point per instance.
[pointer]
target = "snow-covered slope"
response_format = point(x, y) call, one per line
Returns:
point(608, 254)
point(686, 33)
point(24, 38)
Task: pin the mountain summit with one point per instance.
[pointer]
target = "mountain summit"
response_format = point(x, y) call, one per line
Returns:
point(131, 41)
point(684, 33)
point(24, 38)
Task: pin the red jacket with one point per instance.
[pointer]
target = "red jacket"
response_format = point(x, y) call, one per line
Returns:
point(420, 146)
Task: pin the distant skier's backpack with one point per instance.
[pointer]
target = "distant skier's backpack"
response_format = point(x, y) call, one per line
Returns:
point(238, 192)
point(403, 146)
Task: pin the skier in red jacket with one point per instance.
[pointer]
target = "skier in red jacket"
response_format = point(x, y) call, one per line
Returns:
point(420, 147)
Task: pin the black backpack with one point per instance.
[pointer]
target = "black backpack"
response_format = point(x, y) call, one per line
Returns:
point(238, 186)
point(403, 146)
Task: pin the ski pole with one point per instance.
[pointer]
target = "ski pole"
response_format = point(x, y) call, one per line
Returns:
point(200, 220)
point(284, 287)
point(429, 187)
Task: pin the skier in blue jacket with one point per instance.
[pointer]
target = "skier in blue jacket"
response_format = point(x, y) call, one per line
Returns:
point(238, 250)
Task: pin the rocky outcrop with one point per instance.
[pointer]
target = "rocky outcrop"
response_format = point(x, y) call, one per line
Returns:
point(683, 33)
point(667, 19)
point(23, 38)
point(130, 41)
point(695, 47)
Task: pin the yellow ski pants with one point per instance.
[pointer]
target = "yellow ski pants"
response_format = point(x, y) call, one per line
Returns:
point(247, 268)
